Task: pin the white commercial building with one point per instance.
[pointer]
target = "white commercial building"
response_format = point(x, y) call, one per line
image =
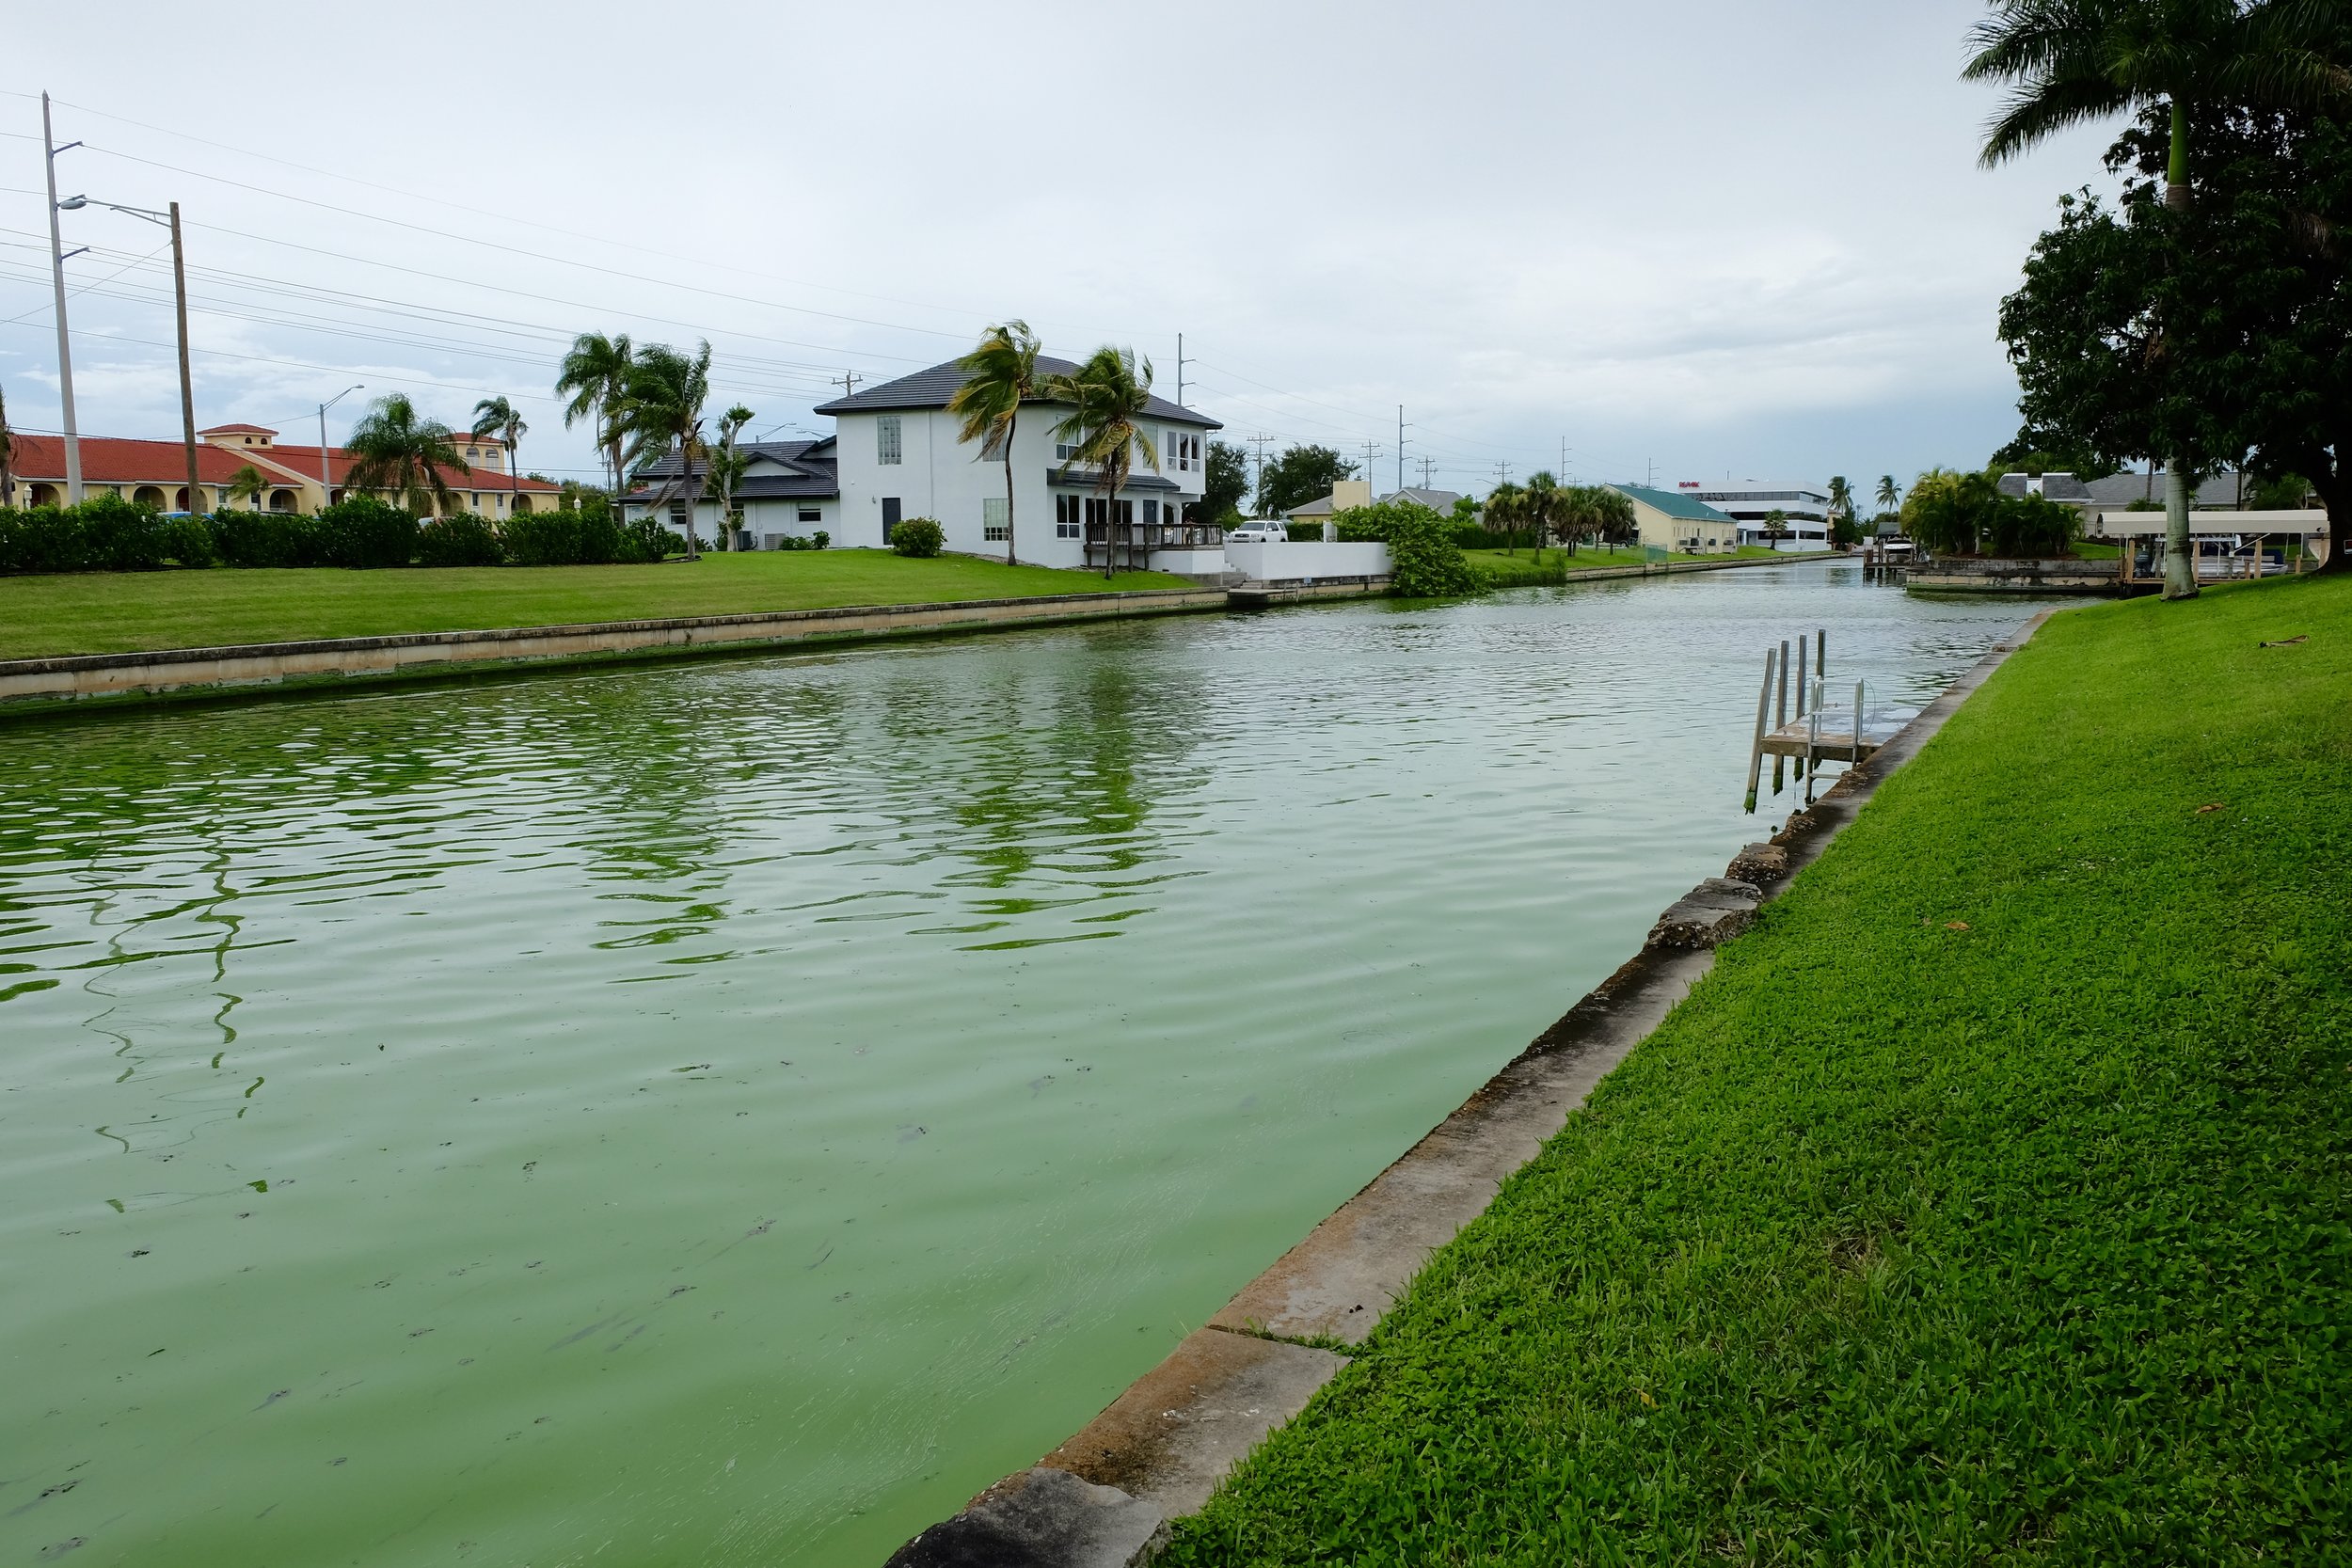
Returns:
point(1803, 508)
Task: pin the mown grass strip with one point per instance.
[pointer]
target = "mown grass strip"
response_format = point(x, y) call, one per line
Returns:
point(142, 612)
point(1992, 1201)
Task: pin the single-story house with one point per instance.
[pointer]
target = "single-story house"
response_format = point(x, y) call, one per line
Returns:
point(1681, 523)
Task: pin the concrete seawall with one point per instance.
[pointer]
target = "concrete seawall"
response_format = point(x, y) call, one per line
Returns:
point(1106, 1499)
point(28, 683)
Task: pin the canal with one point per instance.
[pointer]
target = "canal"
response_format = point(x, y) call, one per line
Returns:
point(727, 1113)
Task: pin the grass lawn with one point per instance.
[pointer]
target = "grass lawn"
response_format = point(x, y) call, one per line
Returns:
point(122, 612)
point(1520, 569)
point(1990, 1202)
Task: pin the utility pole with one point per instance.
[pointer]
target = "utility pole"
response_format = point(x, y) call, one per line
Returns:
point(180, 304)
point(1653, 473)
point(1371, 449)
point(1563, 460)
point(1180, 370)
point(847, 382)
point(326, 478)
point(1502, 471)
point(57, 276)
point(1426, 464)
point(1258, 445)
point(1400, 446)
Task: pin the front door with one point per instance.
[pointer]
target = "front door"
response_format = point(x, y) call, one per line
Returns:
point(890, 516)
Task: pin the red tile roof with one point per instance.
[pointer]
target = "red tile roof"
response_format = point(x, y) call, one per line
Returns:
point(110, 460)
point(106, 460)
point(238, 429)
point(305, 461)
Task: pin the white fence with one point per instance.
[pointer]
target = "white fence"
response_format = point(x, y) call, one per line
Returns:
point(1306, 563)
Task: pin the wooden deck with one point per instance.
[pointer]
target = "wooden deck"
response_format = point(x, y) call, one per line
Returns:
point(1835, 741)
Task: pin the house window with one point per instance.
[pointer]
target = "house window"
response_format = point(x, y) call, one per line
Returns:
point(812, 513)
point(995, 519)
point(1069, 519)
point(1064, 449)
point(886, 440)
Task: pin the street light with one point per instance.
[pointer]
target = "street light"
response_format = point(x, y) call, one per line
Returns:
point(326, 483)
point(180, 299)
point(57, 276)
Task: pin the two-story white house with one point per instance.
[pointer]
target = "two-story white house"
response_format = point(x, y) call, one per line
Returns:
point(896, 456)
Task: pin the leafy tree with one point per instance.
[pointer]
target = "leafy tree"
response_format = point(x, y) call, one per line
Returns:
point(495, 416)
point(1301, 474)
point(1227, 487)
point(1106, 395)
point(2047, 452)
point(2215, 334)
point(595, 378)
point(2071, 62)
point(660, 412)
point(394, 451)
point(999, 376)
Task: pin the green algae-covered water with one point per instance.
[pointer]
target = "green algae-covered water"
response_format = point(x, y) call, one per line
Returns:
point(728, 1113)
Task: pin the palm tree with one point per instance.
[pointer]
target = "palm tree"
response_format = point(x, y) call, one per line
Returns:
point(1890, 497)
point(2071, 62)
point(1106, 396)
point(1001, 376)
point(8, 459)
point(1840, 499)
point(725, 468)
point(246, 485)
point(495, 416)
point(1543, 503)
point(1504, 508)
point(595, 376)
point(391, 449)
point(1610, 510)
point(660, 412)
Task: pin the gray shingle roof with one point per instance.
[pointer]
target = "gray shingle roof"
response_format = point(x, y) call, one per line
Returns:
point(931, 388)
point(1091, 478)
point(810, 471)
point(2217, 493)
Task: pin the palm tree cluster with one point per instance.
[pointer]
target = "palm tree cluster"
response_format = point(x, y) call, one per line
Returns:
point(1103, 401)
point(1566, 513)
point(2073, 62)
point(646, 401)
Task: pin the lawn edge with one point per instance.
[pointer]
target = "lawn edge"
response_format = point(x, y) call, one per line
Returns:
point(1160, 1448)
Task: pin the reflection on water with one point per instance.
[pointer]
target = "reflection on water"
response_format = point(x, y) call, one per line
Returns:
point(729, 1113)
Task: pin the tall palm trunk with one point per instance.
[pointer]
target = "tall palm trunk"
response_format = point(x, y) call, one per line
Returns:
point(2180, 557)
point(1012, 421)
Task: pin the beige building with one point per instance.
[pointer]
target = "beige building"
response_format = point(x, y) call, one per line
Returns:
point(155, 473)
point(1678, 524)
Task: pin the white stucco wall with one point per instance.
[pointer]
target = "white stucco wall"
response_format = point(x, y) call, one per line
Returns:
point(1312, 562)
point(938, 477)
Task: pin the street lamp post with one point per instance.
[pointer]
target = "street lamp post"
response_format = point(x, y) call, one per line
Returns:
point(57, 274)
point(326, 481)
point(180, 301)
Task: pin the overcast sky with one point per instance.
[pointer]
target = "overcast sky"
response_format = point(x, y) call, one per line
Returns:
point(1718, 237)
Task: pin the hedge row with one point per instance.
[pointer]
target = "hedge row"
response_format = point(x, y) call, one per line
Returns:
point(107, 533)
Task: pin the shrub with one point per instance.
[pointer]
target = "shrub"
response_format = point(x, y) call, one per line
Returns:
point(818, 540)
point(1422, 555)
point(921, 537)
point(187, 541)
point(644, 541)
point(267, 538)
point(463, 540)
point(105, 533)
point(543, 539)
point(365, 532)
